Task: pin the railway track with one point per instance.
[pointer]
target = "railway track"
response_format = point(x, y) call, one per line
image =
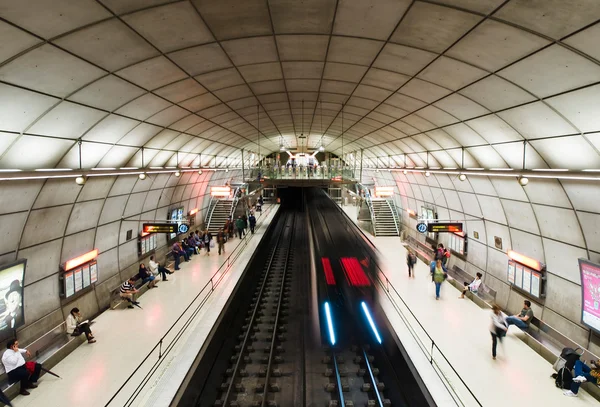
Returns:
point(259, 374)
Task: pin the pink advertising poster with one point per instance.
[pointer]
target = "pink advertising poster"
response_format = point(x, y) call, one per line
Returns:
point(590, 288)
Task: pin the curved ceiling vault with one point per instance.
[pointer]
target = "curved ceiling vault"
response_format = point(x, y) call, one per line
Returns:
point(183, 78)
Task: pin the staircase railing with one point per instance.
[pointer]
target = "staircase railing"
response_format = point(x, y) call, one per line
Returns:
point(392, 207)
point(211, 208)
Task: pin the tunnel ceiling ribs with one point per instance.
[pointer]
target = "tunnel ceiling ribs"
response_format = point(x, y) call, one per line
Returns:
point(423, 83)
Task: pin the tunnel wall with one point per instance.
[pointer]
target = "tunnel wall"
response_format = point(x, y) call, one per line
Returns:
point(50, 221)
point(551, 221)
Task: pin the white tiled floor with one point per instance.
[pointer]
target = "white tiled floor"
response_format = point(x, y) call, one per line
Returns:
point(93, 373)
point(519, 376)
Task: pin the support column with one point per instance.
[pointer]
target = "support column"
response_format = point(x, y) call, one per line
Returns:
point(361, 164)
point(243, 173)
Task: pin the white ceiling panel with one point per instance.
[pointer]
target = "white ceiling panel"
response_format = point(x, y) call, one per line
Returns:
point(153, 73)
point(451, 74)
point(182, 90)
point(580, 107)
point(372, 19)
point(6, 139)
point(21, 107)
point(255, 50)
point(355, 51)
point(109, 44)
point(117, 157)
point(551, 71)
point(67, 120)
point(433, 27)
point(201, 59)
point(91, 154)
point(402, 59)
point(554, 18)
point(127, 6)
point(493, 129)
point(109, 93)
point(493, 45)
point(50, 70)
point(168, 116)
point(496, 93)
point(19, 41)
point(309, 16)
point(52, 19)
point(480, 6)
point(537, 120)
point(32, 152)
point(170, 27)
point(302, 47)
point(425, 91)
point(140, 135)
point(464, 135)
point(568, 152)
point(111, 129)
point(234, 19)
point(162, 139)
point(461, 107)
point(143, 107)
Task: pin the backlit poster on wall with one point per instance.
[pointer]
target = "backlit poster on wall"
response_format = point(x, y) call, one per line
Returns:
point(590, 294)
point(511, 272)
point(78, 279)
point(93, 272)
point(69, 284)
point(86, 277)
point(526, 279)
point(536, 283)
point(519, 275)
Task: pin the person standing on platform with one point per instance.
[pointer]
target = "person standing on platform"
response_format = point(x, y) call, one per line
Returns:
point(252, 222)
point(207, 238)
point(498, 328)
point(411, 260)
point(226, 228)
point(239, 225)
point(524, 318)
point(439, 275)
point(221, 240)
point(17, 369)
point(245, 219)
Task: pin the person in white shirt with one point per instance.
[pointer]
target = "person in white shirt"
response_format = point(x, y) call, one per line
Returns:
point(157, 269)
point(473, 287)
point(76, 326)
point(498, 328)
point(17, 369)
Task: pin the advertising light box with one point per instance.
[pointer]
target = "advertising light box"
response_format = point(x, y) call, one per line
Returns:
point(590, 294)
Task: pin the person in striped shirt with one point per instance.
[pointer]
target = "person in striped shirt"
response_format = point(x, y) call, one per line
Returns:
point(128, 291)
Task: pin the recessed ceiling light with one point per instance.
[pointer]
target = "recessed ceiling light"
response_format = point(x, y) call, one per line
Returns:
point(501, 169)
point(550, 169)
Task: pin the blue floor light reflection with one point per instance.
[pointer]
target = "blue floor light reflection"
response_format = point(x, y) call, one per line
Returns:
point(373, 327)
point(329, 324)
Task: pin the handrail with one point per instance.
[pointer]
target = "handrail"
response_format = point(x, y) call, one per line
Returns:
point(428, 349)
point(211, 208)
point(213, 283)
point(392, 205)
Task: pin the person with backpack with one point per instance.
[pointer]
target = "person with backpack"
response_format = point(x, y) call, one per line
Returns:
point(498, 328)
point(411, 260)
point(252, 222)
point(439, 274)
point(583, 373)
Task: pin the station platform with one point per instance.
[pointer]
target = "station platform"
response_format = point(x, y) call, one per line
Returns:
point(518, 377)
point(93, 374)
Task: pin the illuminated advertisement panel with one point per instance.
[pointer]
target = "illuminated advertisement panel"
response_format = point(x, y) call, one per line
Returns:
point(590, 294)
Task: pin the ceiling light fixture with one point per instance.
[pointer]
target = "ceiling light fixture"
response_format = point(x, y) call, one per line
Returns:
point(523, 181)
point(103, 169)
point(405, 172)
point(462, 177)
point(80, 180)
point(178, 173)
point(54, 169)
point(142, 176)
point(550, 169)
point(427, 173)
point(199, 172)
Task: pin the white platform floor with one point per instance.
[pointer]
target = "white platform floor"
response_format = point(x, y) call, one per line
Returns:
point(93, 373)
point(518, 377)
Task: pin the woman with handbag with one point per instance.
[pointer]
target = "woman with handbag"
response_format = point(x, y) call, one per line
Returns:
point(498, 328)
point(439, 275)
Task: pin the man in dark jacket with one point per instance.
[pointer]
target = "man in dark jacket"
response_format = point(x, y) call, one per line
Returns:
point(221, 240)
point(252, 222)
point(206, 238)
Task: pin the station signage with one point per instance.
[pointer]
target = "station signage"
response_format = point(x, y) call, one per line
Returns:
point(422, 227)
point(445, 227)
point(159, 228)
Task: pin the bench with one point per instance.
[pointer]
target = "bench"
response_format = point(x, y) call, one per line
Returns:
point(484, 297)
point(116, 302)
point(49, 349)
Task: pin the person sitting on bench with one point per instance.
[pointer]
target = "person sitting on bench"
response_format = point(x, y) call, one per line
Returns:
point(76, 327)
point(524, 319)
point(473, 287)
point(157, 269)
point(583, 373)
point(146, 276)
point(17, 369)
point(128, 291)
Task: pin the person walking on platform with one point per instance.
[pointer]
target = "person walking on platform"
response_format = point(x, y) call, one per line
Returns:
point(439, 275)
point(239, 225)
point(207, 239)
point(498, 328)
point(411, 260)
point(252, 222)
point(221, 240)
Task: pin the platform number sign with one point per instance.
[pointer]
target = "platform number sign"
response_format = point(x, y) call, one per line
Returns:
point(422, 227)
point(183, 228)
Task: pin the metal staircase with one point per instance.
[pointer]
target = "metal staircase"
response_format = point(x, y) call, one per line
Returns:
point(219, 212)
point(385, 217)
